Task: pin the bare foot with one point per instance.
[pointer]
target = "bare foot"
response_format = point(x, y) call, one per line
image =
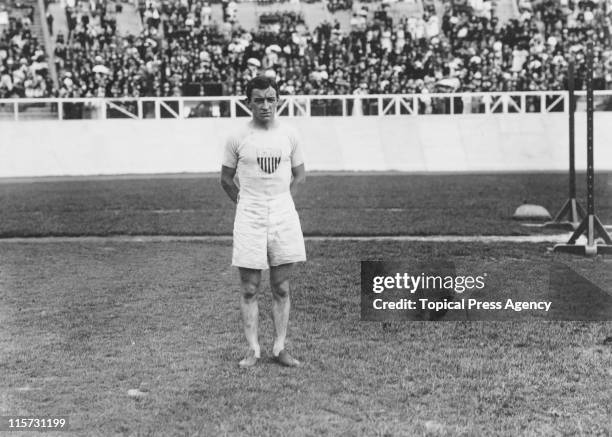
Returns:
point(287, 360)
point(249, 361)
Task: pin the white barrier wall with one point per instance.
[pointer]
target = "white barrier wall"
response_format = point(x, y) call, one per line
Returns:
point(462, 143)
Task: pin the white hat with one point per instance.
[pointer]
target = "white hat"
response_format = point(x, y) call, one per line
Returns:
point(535, 64)
point(254, 62)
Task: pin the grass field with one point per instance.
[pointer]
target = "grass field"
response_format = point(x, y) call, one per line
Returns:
point(85, 322)
point(328, 205)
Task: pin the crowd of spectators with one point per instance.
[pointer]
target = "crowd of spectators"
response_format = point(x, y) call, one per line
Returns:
point(24, 71)
point(182, 51)
point(91, 25)
point(530, 53)
point(182, 54)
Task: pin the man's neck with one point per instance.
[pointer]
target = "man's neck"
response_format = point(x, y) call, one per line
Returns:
point(264, 125)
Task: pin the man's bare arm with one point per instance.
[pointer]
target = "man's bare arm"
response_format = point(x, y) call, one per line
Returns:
point(228, 184)
point(299, 176)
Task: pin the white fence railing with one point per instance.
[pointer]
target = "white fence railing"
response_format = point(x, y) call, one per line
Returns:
point(298, 106)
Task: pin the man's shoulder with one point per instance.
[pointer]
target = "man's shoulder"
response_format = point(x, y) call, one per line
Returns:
point(237, 135)
point(287, 129)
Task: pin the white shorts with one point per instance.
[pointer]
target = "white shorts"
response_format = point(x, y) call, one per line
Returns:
point(267, 233)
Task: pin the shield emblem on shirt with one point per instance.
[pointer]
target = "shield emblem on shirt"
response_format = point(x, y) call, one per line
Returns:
point(268, 160)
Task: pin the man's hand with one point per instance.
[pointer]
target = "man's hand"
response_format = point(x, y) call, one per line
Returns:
point(299, 176)
point(228, 184)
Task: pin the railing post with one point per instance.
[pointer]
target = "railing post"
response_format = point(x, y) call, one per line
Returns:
point(15, 110)
point(139, 106)
point(181, 108)
point(415, 105)
point(60, 110)
point(380, 106)
point(344, 106)
point(233, 107)
point(103, 108)
point(543, 109)
point(452, 104)
point(157, 109)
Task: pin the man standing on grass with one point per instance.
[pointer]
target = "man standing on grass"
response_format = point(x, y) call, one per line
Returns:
point(262, 166)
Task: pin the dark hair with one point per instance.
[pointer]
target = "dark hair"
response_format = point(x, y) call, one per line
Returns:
point(260, 83)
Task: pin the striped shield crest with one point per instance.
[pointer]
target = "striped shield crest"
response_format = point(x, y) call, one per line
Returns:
point(268, 160)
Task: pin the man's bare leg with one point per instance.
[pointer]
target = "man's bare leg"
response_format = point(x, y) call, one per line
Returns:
point(279, 282)
point(250, 280)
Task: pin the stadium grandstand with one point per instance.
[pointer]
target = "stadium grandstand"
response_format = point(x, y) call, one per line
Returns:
point(172, 48)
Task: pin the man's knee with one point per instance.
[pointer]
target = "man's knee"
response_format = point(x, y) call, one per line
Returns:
point(250, 290)
point(250, 280)
point(279, 280)
point(280, 289)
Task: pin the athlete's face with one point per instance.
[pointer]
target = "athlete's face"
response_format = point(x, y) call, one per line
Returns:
point(263, 105)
